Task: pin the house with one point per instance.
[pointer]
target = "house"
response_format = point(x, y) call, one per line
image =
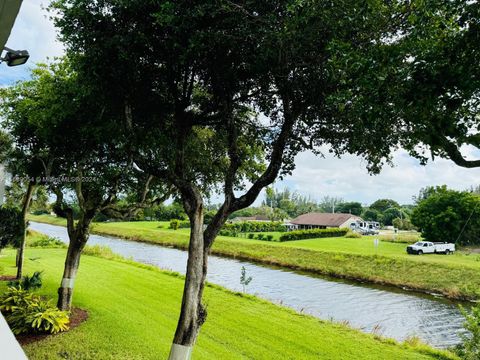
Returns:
point(323, 221)
point(250, 218)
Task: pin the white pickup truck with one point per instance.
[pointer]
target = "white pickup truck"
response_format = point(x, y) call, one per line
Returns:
point(427, 247)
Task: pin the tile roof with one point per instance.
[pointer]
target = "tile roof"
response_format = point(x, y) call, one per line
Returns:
point(323, 219)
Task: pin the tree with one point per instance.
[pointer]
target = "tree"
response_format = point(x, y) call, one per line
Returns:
point(448, 215)
point(435, 92)
point(354, 208)
point(85, 151)
point(330, 204)
point(204, 72)
point(372, 215)
point(403, 224)
point(382, 205)
point(11, 226)
point(15, 192)
point(22, 107)
point(392, 213)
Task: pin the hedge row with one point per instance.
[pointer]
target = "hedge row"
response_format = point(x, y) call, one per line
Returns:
point(313, 234)
point(255, 226)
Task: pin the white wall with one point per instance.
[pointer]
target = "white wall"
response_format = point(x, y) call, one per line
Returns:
point(9, 347)
point(347, 223)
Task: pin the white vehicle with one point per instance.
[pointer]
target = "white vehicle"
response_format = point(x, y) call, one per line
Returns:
point(427, 247)
point(365, 227)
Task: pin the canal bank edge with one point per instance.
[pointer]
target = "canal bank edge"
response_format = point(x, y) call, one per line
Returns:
point(373, 269)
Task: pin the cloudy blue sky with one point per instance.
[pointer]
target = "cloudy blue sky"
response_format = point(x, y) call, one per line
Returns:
point(346, 177)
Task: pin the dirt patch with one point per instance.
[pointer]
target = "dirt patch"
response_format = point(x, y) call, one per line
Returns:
point(7, 277)
point(77, 317)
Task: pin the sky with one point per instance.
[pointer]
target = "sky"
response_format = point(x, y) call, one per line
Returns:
point(314, 176)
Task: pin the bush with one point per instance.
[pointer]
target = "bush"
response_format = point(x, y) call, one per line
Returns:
point(228, 233)
point(353, 235)
point(469, 349)
point(269, 237)
point(100, 251)
point(28, 283)
point(403, 224)
point(47, 242)
point(251, 236)
point(176, 224)
point(260, 236)
point(41, 212)
point(27, 313)
point(313, 233)
point(255, 226)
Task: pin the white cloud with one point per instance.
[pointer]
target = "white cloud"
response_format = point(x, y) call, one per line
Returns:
point(348, 178)
point(33, 31)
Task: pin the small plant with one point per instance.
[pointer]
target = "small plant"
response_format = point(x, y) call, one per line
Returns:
point(100, 251)
point(353, 235)
point(27, 313)
point(469, 349)
point(28, 283)
point(174, 224)
point(15, 298)
point(251, 236)
point(260, 236)
point(244, 280)
point(48, 242)
point(269, 237)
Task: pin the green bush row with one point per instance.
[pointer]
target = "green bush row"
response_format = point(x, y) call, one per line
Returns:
point(313, 233)
point(266, 237)
point(255, 226)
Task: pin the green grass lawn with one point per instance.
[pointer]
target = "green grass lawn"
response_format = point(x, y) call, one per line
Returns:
point(455, 276)
point(133, 310)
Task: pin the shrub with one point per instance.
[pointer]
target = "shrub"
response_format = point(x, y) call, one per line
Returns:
point(469, 349)
point(174, 224)
point(27, 313)
point(313, 233)
point(251, 236)
point(260, 236)
point(100, 251)
point(228, 233)
point(353, 235)
point(269, 237)
point(41, 212)
point(403, 224)
point(14, 298)
point(47, 242)
point(255, 226)
point(28, 283)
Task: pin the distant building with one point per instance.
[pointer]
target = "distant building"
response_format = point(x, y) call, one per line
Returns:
point(322, 221)
point(251, 218)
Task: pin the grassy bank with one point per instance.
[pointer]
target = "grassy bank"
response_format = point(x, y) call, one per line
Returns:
point(456, 276)
point(133, 311)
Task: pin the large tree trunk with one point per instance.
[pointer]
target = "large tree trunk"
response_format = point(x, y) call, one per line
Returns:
point(193, 313)
point(78, 240)
point(23, 241)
